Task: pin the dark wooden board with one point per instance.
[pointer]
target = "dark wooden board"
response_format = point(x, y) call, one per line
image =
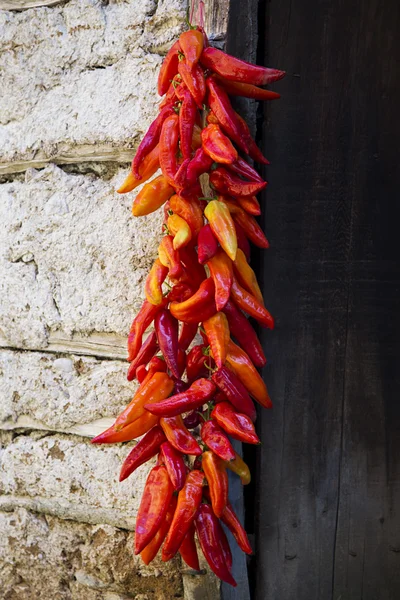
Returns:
point(328, 495)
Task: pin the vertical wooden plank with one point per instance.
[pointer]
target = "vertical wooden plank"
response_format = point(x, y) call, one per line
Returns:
point(328, 469)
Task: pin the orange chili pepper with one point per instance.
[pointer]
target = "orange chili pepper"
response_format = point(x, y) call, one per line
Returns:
point(218, 335)
point(240, 362)
point(222, 225)
point(191, 43)
point(221, 271)
point(217, 145)
point(128, 433)
point(169, 257)
point(154, 281)
point(190, 210)
point(250, 305)
point(199, 307)
point(155, 387)
point(150, 551)
point(147, 168)
point(189, 499)
point(169, 68)
point(246, 90)
point(239, 467)
point(250, 204)
point(156, 497)
point(152, 196)
point(217, 478)
point(246, 276)
point(180, 231)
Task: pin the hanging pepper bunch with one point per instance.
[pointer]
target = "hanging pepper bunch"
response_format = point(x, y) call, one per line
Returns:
point(190, 402)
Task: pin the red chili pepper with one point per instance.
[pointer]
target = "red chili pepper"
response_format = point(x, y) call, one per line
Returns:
point(217, 478)
point(254, 151)
point(226, 183)
point(198, 394)
point(193, 78)
point(249, 204)
point(239, 467)
point(234, 69)
point(245, 301)
point(217, 145)
point(155, 279)
point(248, 223)
point(166, 327)
point(218, 335)
point(192, 44)
point(222, 109)
point(242, 168)
point(222, 226)
point(207, 244)
point(221, 271)
point(200, 163)
point(199, 307)
point(196, 271)
point(230, 519)
point(151, 550)
point(154, 388)
point(153, 195)
point(157, 365)
point(187, 119)
point(188, 549)
point(156, 497)
point(237, 425)
point(210, 535)
point(196, 361)
point(149, 165)
point(213, 437)
point(150, 140)
point(180, 292)
point(235, 391)
point(148, 447)
point(169, 139)
point(241, 329)
point(189, 499)
point(243, 242)
point(139, 325)
point(178, 436)
point(246, 276)
point(141, 373)
point(174, 464)
point(169, 257)
point(170, 95)
point(187, 335)
point(169, 68)
point(240, 362)
point(146, 352)
point(246, 90)
point(181, 361)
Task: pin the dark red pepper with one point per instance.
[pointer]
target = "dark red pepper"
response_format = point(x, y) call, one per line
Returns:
point(146, 352)
point(227, 183)
point(198, 394)
point(235, 391)
point(207, 244)
point(200, 163)
point(166, 327)
point(241, 329)
point(187, 335)
point(175, 465)
point(188, 550)
point(150, 139)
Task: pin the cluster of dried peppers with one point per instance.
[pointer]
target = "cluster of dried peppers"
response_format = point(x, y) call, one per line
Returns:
point(203, 261)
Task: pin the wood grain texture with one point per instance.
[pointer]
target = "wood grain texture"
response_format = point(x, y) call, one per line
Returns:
point(329, 469)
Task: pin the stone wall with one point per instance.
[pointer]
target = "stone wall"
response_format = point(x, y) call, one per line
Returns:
point(77, 93)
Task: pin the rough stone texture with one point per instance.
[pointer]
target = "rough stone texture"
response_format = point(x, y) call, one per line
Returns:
point(72, 257)
point(61, 392)
point(43, 557)
point(82, 73)
point(69, 477)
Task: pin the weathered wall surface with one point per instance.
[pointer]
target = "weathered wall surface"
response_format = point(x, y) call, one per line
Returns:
point(77, 93)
